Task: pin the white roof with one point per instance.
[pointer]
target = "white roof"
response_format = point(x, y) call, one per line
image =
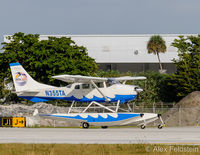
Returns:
point(122, 48)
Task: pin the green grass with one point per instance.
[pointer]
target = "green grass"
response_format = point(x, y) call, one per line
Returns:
point(93, 149)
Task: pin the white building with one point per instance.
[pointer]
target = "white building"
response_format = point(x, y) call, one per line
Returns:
point(124, 52)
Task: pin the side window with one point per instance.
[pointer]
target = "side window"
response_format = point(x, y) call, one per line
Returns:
point(77, 87)
point(108, 83)
point(85, 86)
point(100, 84)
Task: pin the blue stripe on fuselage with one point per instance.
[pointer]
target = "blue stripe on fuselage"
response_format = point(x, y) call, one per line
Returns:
point(122, 98)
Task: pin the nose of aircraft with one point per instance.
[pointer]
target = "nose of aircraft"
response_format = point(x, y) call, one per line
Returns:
point(138, 89)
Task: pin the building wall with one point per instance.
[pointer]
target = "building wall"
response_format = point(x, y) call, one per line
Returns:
point(122, 48)
point(136, 67)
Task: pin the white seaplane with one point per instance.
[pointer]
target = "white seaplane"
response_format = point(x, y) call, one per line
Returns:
point(95, 90)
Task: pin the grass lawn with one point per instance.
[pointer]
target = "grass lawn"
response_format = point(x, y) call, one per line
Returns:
point(93, 149)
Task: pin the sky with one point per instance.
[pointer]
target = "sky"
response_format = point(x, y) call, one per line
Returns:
point(99, 17)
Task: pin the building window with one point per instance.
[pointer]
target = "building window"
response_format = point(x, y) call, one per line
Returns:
point(136, 52)
point(108, 67)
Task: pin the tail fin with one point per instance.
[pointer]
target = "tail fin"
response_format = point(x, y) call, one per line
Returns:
point(22, 80)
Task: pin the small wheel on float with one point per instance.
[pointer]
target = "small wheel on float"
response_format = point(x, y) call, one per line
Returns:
point(160, 126)
point(142, 126)
point(85, 125)
point(104, 127)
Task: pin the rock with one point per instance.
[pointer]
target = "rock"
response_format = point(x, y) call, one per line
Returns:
point(185, 113)
point(21, 110)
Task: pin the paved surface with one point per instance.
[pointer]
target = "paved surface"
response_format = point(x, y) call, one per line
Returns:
point(185, 135)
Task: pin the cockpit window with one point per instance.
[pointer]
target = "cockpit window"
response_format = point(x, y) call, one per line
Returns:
point(111, 81)
point(99, 84)
point(69, 86)
point(77, 87)
point(85, 86)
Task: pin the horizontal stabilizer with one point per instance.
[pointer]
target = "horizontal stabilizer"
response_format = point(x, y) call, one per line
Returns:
point(27, 91)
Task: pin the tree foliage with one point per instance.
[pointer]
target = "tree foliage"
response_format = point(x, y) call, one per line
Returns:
point(187, 77)
point(156, 45)
point(45, 58)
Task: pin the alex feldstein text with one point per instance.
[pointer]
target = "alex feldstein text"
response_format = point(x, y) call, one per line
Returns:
point(172, 149)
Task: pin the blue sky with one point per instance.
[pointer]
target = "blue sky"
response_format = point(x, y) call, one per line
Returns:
point(99, 16)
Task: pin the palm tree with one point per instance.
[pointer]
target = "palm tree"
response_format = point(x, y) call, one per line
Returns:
point(156, 45)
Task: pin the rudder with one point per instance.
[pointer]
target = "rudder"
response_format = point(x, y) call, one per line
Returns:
point(22, 80)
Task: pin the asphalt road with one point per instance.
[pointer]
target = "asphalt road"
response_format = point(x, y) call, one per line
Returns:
point(179, 135)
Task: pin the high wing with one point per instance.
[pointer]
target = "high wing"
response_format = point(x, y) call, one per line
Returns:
point(83, 79)
point(128, 78)
point(79, 78)
point(87, 79)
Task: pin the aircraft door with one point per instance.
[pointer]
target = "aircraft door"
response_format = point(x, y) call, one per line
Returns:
point(86, 89)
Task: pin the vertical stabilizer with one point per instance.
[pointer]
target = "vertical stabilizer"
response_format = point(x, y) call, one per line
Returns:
point(22, 80)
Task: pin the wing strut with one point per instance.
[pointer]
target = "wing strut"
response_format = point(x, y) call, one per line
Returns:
point(71, 107)
point(93, 102)
point(107, 99)
point(117, 106)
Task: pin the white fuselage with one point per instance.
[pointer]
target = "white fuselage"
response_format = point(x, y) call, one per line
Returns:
point(83, 93)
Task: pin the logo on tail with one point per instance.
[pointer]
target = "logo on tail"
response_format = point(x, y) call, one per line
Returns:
point(21, 78)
